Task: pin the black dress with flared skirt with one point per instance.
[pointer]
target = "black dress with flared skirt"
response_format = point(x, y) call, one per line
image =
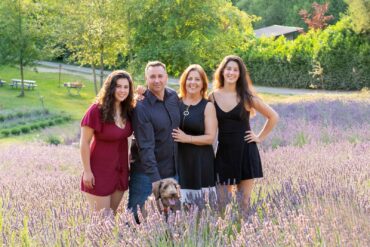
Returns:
point(236, 159)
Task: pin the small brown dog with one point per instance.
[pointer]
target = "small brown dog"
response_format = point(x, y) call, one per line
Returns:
point(167, 192)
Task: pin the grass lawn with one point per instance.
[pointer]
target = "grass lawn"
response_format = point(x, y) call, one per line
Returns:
point(56, 99)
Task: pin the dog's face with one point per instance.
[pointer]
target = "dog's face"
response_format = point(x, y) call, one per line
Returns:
point(168, 190)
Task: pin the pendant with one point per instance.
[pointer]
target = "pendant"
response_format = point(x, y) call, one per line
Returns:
point(186, 112)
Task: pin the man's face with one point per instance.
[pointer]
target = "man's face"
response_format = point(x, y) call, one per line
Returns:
point(156, 79)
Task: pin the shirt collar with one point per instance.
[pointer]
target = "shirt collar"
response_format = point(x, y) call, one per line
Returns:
point(152, 98)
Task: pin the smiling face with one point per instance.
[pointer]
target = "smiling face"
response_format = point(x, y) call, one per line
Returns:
point(122, 89)
point(231, 72)
point(194, 83)
point(156, 79)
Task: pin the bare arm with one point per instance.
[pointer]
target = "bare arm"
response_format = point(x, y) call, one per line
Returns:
point(210, 122)
point(86, 136)
point(271, 119)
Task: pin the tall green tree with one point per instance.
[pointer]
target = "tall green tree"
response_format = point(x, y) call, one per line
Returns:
point(95, 32)
point(22, 33)
point(182, 32)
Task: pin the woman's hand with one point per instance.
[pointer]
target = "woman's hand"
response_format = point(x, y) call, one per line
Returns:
point(179, 136)
point(251, 137)
point(88, 179)
point(140, 90)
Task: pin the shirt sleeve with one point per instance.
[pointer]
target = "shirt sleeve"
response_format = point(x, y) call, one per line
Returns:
point(92, 118)
point(144, 135)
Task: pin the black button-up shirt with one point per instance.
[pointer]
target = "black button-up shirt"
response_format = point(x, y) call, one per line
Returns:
point(153, 122)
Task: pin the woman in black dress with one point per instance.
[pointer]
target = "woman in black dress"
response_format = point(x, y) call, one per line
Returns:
point(237, 160)
point(196, 134)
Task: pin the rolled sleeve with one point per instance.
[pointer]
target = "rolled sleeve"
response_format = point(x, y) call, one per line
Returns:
point(144, 134)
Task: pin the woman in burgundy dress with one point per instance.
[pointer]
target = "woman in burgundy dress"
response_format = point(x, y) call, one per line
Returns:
point(104, 145)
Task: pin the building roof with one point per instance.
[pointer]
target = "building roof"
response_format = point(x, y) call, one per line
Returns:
point(275, 30)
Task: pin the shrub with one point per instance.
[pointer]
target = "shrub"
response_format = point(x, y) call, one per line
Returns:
point(2, 118)
point(5, 133)
point(15, 131)
point(335, 58)
point(43, 124)
point(19, 114)
point(34, 126)
point(25, 129)
point(67, 118)
point(59, 120)
point(54, 140)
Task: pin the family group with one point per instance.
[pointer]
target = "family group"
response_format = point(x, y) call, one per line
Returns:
point(198, 138)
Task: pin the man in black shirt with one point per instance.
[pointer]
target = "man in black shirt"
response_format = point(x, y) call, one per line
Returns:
point(154, 118)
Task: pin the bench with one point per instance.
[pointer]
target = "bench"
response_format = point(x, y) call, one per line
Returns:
point(2, 82)
point(73, 85)
point(17, 83)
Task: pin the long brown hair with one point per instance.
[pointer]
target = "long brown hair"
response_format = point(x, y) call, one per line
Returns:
point(244, 87)
point(106, 100)
point(203, 77)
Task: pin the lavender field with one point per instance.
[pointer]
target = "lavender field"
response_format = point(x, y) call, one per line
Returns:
point(316, 192)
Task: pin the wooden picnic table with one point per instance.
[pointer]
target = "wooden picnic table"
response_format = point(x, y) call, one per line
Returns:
point(29, 84)
point(2, 82)
point(73, 85)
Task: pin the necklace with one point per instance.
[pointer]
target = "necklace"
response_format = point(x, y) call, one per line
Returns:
point(185, 113)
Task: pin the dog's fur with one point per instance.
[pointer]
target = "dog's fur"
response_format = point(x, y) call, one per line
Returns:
point(167, 195)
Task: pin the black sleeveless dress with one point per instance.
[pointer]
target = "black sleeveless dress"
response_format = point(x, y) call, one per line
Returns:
point(236, 159)
point(196, 163)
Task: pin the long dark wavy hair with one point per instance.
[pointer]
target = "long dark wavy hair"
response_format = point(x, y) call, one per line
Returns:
point(106, 100)
point(244, 87)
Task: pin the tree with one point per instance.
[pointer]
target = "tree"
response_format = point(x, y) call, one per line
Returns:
point(21, 33)
point(358, 11)
point(318, 19)
point(285, 12)
point(183, 32)
point(94, 33)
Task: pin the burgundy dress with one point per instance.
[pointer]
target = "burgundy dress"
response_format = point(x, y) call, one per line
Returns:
point(108, 154)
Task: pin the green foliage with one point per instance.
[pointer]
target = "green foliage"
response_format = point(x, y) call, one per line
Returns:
point(26, 242)
point(22, 33)
point(335, 58)
point(15, 131)
point(23, 122)
point(5, 133)
point(300, 139)
point(181, 32)
point(95, 32)
point(285, 12)
point(25, 129)
point(54, 140)
point(359, 12)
